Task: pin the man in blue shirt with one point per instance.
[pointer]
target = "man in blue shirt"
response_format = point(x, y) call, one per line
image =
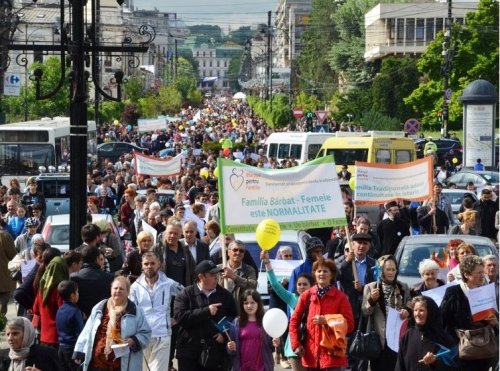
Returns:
point(478, 166)
point(314, 250)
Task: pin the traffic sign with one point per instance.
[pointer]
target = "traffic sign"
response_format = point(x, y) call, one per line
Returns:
point(447, 94)
point(322, 129)
point(298, 112)
point(321, 115)
point(12, 84)
point(412, 126)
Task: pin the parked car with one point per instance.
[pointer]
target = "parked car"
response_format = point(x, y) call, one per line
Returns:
point(295, 239)
point(113, 150)
point(55, 187)
point(56, 229)
point(413, 249)
point(456, 196)
point(444, 145)
point(479, 178)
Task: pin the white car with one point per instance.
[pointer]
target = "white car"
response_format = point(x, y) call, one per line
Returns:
point(294, 239)
point(56, 229)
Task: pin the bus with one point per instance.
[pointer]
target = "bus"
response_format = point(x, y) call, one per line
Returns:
point(300, 146)
point(30, 147)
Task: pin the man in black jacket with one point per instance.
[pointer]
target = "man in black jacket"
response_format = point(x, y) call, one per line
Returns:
point(94, 284)
point(196, 309)
point(431, 219)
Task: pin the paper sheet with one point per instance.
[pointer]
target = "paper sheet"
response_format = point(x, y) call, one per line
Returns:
point(437, 294)
point(393, 329)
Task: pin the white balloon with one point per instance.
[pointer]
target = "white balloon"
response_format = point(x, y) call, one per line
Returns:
point(275, 322)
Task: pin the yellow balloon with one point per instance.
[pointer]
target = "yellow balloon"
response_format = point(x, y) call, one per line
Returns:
point(268, 234)
point(116, 122)
point(216, 172)
point(181, 128)
point(204, 173)
point(455, 160)
point(352, 183)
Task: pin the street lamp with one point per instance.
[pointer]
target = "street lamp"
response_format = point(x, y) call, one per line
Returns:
point(81, 46)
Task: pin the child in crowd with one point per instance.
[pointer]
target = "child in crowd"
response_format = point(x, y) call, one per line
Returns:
point(69, 323)
point(249, 345)
point(16, 224)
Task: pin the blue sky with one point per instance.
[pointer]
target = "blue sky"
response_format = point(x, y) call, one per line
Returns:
point(225, 13)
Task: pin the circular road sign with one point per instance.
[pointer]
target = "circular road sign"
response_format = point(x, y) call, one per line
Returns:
point(412, 126)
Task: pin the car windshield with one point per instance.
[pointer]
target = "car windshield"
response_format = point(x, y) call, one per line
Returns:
point(491, 177)
point(58, 235)
point(414, 254)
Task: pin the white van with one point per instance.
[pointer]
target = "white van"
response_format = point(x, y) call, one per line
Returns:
point(300, 146)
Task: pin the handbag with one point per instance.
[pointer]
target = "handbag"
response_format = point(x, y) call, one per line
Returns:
point(480, 343)
point(302, 331)
point(365, 345)
point(212, 355)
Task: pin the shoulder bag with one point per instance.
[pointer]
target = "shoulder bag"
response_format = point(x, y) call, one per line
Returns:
point(365, 345)
point(302, 331)
point(480, 343)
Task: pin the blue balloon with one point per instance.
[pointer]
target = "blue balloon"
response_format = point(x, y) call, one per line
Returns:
point(129, 127)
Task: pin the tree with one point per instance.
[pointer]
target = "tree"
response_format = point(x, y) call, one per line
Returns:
point(185, 80)
point(475, 47)
point(398, 77)
point(167, 101)
point(57, 105)
point(233, 71)
point(315, 70)
point(134, 88)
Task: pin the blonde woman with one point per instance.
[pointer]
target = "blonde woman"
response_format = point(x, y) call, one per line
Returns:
point(467, 221)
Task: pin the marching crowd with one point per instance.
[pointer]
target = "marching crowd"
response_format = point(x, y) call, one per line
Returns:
point(154, 291)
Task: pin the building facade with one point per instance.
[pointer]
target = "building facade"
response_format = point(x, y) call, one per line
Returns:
point(407, 28)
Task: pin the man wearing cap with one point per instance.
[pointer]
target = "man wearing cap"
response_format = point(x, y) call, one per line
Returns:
point(239, 276)
point(392, 229)
point(314, 250)
point(153, 292)
point(196, 309)
point(32, 196)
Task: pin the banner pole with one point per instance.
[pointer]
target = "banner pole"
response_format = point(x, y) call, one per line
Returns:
point(223, 249)
point(354, 270)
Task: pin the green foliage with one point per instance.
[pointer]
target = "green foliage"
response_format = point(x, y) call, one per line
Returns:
point(233, 71)
point(475, 57)
point(195, 97)
point(398, 77)
point(110, 111)
point(205, 33)
point(354, 102)
point(57, 105)
point(275, 115)
point(167, 101)
point(134, 88)
point(241, 35)
point(309, 103)
point(374, 120)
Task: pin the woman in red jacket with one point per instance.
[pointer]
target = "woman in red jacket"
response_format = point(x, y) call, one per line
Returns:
point(319, 301)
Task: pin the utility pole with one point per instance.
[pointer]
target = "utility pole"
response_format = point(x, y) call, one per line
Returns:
point(268, 66)
point(447, 54)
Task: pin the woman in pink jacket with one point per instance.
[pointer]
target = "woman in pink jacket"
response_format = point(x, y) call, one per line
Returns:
point(320, 300)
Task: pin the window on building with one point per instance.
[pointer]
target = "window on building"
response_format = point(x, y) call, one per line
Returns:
point(218, 73)
point(204, 64)
point(419, 31)
point(210, 63)
point(400, 30)
point(203, 53)
point(410, 29)
point(197, 53)
point(218, 63)
point(429, 29)
point(439, 24)
point(210, 73)
point(225, 63)
point(459, 20)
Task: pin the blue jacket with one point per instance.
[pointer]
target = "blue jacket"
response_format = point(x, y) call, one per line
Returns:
point(69, 323)
point(133, 325)
point(305, 267)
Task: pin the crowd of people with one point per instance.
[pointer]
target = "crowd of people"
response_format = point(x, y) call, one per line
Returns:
point(159, 290)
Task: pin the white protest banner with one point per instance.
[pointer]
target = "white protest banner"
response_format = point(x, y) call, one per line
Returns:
point(146, 125)
point(149, 228)
point(393, 328)
point(306, 196)
point(148, 165)
point(284, 268)
point(379, 183)
point(27, 267)
point(437, 294)
point(482, 302)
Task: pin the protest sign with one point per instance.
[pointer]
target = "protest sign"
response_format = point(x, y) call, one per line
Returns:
point(437, 294)
point(147, 125)
point(393, 328)
point(148, 165)
point(378, 183)
point(483, 302)
point(149, 228)
point(284, 268)
point(306, 196)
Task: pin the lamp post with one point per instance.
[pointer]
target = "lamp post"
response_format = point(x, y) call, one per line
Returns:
point(82, 47)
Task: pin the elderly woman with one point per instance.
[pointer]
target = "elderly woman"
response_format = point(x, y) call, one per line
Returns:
point(463, 250)
point(24, 354)
point(428, 270)
point(111, 246)
point(116, 320)
point(467, 221)
point(422, 340)
point(319, 301)
point(378, 297)
point(456, 309)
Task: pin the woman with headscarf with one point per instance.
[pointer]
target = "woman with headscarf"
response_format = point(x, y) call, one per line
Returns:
point(423, 339)
point(378, 297)
point(47, 299)
point(24, 354)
